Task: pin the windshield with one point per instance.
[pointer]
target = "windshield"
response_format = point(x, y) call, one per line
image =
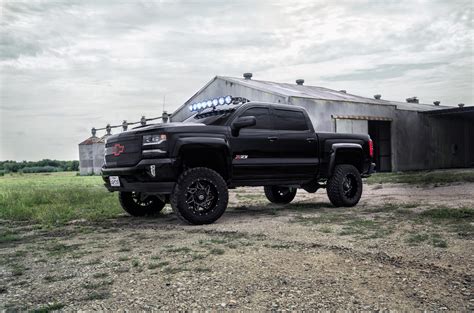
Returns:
point(213, 117)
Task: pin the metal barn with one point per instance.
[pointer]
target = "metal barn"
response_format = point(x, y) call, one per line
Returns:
point(407, 135)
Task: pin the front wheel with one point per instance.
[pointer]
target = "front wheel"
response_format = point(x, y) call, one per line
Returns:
point(280, 194)
point(140, 204)
point(344, 188)
point(200, 196)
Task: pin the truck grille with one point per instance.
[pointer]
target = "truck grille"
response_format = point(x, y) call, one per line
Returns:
point(123, 152)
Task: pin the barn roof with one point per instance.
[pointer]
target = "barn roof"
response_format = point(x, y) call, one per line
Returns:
point(321, 93)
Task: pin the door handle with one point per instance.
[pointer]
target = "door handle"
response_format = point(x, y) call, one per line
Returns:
point(310, 139)
point(272, 138)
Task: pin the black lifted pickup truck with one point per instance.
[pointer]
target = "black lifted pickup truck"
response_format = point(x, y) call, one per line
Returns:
point(226, 144)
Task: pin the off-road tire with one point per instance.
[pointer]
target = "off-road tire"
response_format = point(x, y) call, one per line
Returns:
point(280, 194)
point(151, 206)
point(338, 192)
point(180, 196)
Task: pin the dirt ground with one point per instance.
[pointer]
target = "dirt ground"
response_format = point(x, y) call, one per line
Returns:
point(403, 247)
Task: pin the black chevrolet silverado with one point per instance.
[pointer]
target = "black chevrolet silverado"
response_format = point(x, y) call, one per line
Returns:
point(193, 163)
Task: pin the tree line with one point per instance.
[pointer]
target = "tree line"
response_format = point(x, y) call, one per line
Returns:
point(42, 166)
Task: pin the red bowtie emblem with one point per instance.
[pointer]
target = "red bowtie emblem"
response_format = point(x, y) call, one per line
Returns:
point(118, 149)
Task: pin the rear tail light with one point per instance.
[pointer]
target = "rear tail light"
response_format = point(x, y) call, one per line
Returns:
point(371, 148)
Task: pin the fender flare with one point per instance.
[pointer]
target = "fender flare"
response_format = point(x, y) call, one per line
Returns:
point(338, 146)
point(205, 142)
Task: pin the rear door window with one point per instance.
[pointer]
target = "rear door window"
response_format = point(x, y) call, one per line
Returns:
point(289, 120)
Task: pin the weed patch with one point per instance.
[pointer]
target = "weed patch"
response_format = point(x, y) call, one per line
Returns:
point(179, 250)
point(59, 249)
point(49, 308)
point(7, 236)
point(152, 266)
point(278, 246)
point(100, 275)
point(52, 279)
point(18, 269)
point(93, 262)
point(174, 270)
point(436, 240)
point(217, 251)
point(97, 295)
point(321, 219)
point(97, 285)
point(448, 213)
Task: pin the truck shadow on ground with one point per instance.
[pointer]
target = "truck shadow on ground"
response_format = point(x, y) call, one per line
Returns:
point(232, 214)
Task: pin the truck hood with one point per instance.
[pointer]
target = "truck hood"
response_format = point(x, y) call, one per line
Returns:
point(141, 129)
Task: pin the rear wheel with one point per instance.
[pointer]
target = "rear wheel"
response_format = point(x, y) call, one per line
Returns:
point(344, 188)
point(140, 204)
point(280, 194)
point(200, 196)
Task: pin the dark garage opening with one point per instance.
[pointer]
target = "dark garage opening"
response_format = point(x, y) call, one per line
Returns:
point(379, 132)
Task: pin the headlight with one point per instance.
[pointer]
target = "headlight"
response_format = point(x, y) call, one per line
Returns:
point(153, 139)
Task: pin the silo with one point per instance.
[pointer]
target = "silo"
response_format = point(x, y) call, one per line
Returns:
point(86, 155)
point(98, 149)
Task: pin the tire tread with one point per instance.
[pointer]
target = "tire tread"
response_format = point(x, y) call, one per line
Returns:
point(177, 191)
point(333, 185)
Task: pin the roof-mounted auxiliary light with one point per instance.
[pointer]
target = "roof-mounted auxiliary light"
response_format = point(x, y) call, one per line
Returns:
point(213, 103)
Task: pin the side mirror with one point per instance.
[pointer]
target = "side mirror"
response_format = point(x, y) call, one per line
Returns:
point(242, 122)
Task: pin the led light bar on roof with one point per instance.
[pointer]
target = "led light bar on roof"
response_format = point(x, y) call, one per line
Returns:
point(212, 103)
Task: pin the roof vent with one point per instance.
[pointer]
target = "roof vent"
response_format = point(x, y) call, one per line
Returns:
point(300, 81)
point(413, 100)
point(377, 97)
point(436, 103)
point(248, 75)
point(460, 105)
point(343, 91)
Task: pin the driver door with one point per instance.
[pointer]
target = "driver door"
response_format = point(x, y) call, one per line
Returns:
point(255, 149)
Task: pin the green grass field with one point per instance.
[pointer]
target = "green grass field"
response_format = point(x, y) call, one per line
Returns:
point(424, 177)
point(55, 198)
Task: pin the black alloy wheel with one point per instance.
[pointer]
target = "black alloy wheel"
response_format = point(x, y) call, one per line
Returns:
point(280, 194)
point(349, 186)
point(344, 187)
point(200, 196)
point(140, 204)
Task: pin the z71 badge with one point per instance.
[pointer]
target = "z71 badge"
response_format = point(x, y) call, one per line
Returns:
point(241, 157)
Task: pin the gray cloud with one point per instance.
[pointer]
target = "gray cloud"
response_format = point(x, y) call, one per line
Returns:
point(66, 66)
point(382, 71)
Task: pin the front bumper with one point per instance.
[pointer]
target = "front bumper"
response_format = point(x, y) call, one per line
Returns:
point(139, 178)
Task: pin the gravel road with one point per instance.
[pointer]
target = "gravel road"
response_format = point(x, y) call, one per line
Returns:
point(402, 248)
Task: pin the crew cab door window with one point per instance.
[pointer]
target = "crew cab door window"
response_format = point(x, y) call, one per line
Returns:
point(290, 120)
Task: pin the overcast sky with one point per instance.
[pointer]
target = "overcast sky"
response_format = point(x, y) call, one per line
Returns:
point(66, 66)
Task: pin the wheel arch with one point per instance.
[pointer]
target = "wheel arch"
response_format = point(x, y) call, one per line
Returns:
point(210, 152)
point(346, 153)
